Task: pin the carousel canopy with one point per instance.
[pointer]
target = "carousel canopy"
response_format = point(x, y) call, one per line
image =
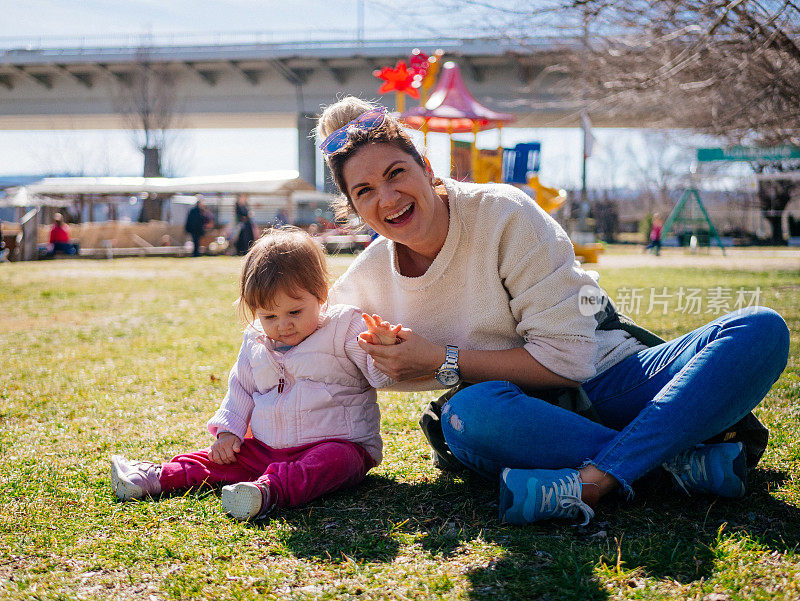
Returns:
point(451, 107)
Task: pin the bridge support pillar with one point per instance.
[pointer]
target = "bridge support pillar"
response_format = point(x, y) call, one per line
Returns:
point(306, 148)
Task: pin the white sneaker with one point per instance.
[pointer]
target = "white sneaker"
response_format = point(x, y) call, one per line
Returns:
point(246, 500)
point(134, 479)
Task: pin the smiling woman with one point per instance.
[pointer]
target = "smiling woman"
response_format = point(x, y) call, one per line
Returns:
point(396, 197)
point(388, 183)
point(487, 287)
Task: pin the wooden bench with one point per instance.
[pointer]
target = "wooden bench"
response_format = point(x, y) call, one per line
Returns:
point(109, 252)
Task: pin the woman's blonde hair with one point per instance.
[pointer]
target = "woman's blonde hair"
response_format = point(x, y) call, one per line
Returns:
point(339, 115)
point(284, 260)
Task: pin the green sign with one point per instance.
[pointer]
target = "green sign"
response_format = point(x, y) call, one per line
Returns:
point(748, 153)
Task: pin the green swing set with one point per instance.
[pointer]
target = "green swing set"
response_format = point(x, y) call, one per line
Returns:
point(707, 155)
point(675, 216)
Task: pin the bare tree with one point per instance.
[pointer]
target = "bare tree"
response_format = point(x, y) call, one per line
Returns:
point(725, 67)
point(730, 68)
point(775, 194)
point(64, 153)
point(661, 165)
point(146, 100)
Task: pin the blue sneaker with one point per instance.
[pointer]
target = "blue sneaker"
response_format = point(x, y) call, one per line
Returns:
point(532, 495)
point(717, 469)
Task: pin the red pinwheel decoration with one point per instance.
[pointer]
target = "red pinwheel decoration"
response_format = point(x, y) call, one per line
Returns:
point(400, 79)
point(419, 63)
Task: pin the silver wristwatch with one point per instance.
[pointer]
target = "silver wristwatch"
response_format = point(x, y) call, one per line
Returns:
point(448, 374)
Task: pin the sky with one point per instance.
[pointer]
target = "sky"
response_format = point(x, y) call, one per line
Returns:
point(63, 18)
point(620, 157)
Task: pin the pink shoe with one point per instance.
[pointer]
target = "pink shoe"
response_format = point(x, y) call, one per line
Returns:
point(134, 479)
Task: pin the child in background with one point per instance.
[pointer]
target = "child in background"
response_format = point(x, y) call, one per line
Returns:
point(655, 235)
point(301, 383)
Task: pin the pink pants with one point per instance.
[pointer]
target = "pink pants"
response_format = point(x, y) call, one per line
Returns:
point(295, 475)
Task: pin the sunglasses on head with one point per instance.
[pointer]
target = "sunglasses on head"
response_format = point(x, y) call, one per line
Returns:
point(370, 120)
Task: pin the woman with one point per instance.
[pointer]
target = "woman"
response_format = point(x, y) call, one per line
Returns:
point(487, 286)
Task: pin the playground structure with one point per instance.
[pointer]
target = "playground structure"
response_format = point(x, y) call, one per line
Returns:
point(692, 224)
point(450, 108)
point(677, 217)
point(520, 167)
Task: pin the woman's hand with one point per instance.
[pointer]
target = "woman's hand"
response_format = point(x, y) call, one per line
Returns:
point(379, 331)
point(413, 357)
point(225, 448)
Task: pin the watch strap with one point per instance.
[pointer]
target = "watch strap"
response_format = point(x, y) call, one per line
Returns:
point(451, 357)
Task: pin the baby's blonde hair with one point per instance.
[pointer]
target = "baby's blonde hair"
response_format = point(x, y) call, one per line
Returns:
point(284, 260)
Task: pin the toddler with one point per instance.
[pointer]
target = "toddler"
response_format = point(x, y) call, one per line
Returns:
point(302, 384)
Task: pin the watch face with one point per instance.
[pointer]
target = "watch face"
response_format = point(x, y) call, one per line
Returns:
point(448, 376)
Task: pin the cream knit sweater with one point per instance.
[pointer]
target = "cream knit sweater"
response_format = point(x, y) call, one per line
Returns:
point(506, 277)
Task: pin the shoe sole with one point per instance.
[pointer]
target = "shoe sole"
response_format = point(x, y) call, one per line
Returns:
point(242, 501)
point(123, 488)
point(506, 497)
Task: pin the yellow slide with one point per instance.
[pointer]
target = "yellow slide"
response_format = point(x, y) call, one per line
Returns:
point(550, 199)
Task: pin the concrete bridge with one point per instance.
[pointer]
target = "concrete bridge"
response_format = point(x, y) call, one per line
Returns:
point(280, 84)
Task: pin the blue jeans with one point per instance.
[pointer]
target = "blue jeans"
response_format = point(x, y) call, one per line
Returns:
point(653, 404)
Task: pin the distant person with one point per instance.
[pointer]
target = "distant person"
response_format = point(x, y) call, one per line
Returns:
point(244, 235)
point(655, 235)
point(198, 221)
point(241, 208)
point(281, 219)
point(3, 249)
point(302, 384)
point(60, 239)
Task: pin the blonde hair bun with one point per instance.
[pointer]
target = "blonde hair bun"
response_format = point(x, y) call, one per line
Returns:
point(341, 113)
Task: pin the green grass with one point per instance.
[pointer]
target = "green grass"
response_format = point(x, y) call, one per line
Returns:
point(131, 357)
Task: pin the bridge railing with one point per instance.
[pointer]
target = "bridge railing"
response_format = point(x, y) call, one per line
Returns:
point(97, 44)
point(183, 39)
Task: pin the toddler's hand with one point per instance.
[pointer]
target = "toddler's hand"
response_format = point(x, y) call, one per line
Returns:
point(379, 331)
point(225, 448)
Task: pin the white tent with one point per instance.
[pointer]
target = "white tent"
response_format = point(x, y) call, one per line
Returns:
point(23, 197)
point(279, 188)
point(259, 182)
